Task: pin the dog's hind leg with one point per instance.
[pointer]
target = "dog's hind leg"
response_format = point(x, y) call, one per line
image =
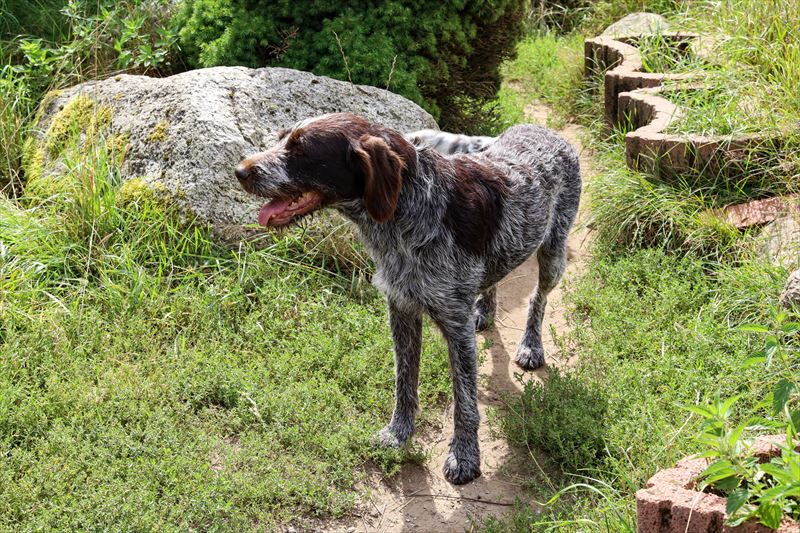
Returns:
point(485, 308)
point(407, 335)
point(455, 320)
point(552, 258)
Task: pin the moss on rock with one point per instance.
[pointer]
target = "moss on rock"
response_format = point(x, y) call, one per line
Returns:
point(138, 191)
point(32, 160)
point(116, 145)
point(82, 116)
point(46, 102)
point(78, 129)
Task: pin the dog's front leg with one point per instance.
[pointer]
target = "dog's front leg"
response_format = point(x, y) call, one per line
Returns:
point(407, 335)
point(463, 464)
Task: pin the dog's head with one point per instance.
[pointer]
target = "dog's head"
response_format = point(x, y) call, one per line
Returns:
point(326, 161)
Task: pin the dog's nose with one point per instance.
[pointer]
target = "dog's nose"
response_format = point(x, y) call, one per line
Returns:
point(242, 172)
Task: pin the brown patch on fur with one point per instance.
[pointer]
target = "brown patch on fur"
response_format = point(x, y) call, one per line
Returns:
point(295, 136)
point(476, 204)
point(383, 176)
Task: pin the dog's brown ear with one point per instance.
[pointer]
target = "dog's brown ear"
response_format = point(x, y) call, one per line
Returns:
point(383, 176)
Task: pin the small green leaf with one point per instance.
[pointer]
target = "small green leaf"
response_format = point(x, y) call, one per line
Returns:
point(720, 473)
point(716, 466)
point(791, 327)
point(754, 328)
point(781, 394)
point(728, 484)
point(736, 499)
point(795, 419)
point(777, 473)
point(770, 514)
point(753, 361)
point(701, 410)
point(747, 511)
point(725, 408)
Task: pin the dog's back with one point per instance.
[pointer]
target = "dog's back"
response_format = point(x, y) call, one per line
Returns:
point(542, 173)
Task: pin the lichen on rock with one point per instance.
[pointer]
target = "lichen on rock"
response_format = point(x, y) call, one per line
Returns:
point(159, 132)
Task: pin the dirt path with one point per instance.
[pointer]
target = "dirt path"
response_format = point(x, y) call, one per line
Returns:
point(418, 498)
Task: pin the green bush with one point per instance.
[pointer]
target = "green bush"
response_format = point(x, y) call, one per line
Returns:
point(444, 56)
point(562, 417)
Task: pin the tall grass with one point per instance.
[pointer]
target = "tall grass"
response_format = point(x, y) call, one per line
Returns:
point(751, 50)
point(35, 18)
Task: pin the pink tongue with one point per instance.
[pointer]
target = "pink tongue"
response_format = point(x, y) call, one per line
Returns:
point(271, 209)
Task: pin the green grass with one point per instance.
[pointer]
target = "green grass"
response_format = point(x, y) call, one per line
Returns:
point(632, 211)
point(150, 379)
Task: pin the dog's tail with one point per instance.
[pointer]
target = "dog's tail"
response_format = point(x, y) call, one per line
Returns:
point(449, 143)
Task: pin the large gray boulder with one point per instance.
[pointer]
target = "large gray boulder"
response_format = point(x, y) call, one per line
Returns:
point(183, 135)
point(637, 24)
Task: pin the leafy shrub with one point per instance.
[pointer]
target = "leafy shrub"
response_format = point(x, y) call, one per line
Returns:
point(762, 491)
point(561, 416)
point(94, 41)
point(444, 56)
point(119, 36)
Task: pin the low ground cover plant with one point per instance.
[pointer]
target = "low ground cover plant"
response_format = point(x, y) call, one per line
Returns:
point(562, 416)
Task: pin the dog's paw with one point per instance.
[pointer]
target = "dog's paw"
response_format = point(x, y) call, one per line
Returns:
point(482, 321)
point(530, 358)
point(386, 438)
point(462, 467)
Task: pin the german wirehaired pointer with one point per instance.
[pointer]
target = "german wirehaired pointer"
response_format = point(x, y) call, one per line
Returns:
point(443, 230)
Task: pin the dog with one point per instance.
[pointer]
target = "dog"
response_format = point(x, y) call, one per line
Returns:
point(442, 230)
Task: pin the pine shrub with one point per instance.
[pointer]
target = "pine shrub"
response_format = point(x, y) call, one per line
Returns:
point(445, 55)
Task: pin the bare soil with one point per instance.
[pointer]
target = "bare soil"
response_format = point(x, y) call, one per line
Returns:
point(418, 498)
